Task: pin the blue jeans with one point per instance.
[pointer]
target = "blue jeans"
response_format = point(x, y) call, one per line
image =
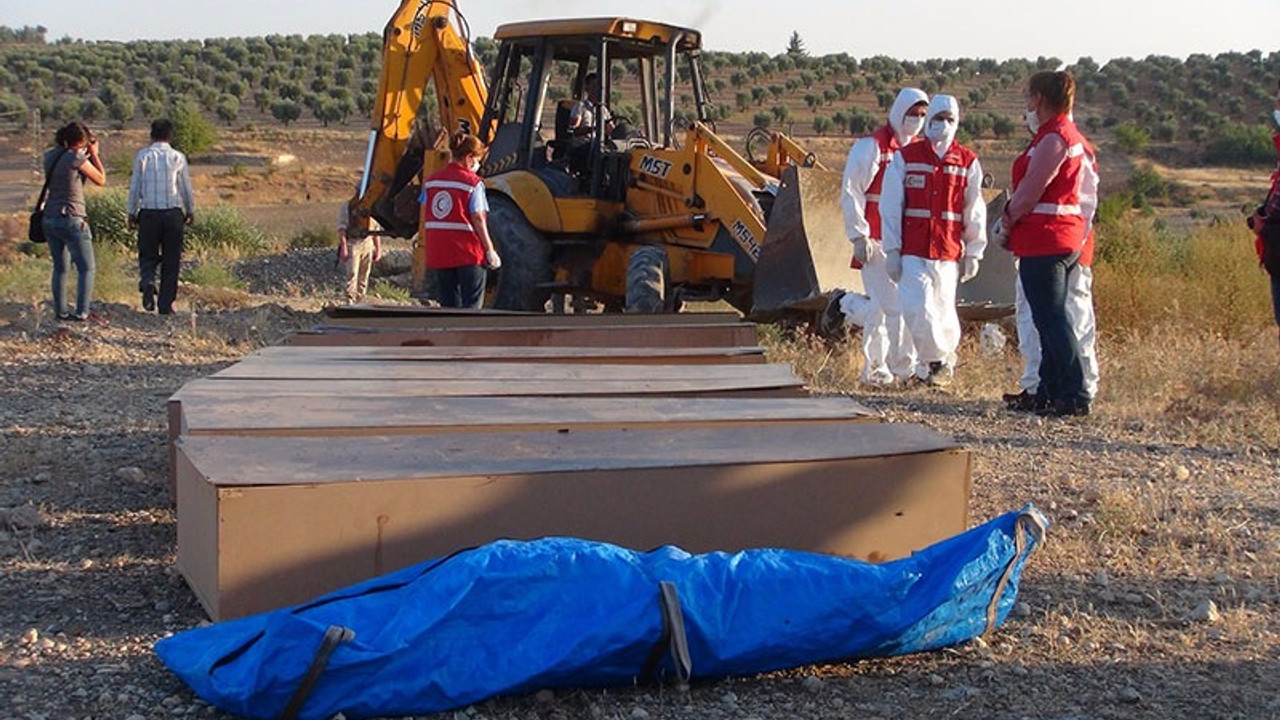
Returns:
point(70, 236)
point(461, 287)
point(1044, 281)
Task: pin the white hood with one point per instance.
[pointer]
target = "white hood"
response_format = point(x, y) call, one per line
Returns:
point(906, 98)
point(939, 104)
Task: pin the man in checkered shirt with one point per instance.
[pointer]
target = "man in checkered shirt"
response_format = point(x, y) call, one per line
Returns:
point(161, 204)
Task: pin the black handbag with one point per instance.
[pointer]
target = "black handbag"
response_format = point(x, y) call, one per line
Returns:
point(35, 228)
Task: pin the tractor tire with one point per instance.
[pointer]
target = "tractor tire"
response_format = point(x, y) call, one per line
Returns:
point(526, 259)
point(647, 280)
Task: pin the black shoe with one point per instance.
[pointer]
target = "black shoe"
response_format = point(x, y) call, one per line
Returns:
point(832, 316)
point(148, 299)
point(940, 374)
point(1022, 402)
point(1065, 408)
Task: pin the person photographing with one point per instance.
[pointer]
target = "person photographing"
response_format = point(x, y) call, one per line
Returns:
point(67, 167)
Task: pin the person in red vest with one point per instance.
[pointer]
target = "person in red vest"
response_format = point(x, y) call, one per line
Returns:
point(887, 350)
point(1265, 223)
point(455, 233)
point(1080, 314)
point(934, 224)
point(1048, 218)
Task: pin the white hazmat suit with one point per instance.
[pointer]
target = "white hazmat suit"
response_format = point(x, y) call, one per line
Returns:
point(887, 350)
point(927, 286)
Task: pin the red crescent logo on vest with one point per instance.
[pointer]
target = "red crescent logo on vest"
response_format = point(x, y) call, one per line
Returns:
point(441, 205)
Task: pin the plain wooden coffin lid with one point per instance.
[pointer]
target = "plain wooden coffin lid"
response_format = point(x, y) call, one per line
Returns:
point(245, 461)
point(289, 369)
point(213, 414)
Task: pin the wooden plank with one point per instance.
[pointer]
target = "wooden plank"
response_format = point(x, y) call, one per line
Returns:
point(658, 336)
point(599, 355)
point(719, 387)
point(406, 321)
point(285, 369)
point(299, 516)
point(210, 414)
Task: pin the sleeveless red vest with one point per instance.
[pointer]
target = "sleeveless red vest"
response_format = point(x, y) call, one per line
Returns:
point(448, 237)
point(933, 200)
point(886, 141)
point(1057, 224)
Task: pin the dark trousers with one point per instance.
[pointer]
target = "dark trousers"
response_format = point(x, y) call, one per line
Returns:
point(461, 287)
point(160, 237)
point(1044, 280)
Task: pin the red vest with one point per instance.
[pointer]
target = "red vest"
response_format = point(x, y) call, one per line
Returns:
point(1271, 200)
point(933, 200)
point(1057, 224)
point(886, 141)
point(886, 145)
point(449, 239)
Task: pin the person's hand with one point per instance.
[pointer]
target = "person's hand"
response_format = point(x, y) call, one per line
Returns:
point(133, 222)
point(343, 251)
point(190, 218)
point(491, 260)
point(893, 264)
point(860, 249)
point(377, 253)
point(968, 269)
point(1000, 232)
point(93, 145)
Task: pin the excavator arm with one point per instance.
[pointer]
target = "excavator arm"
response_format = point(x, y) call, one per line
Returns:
point(425, 41)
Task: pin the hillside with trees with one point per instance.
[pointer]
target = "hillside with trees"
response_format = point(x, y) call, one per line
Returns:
point(1202, 109)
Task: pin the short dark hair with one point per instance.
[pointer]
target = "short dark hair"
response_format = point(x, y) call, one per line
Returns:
point(162, 130)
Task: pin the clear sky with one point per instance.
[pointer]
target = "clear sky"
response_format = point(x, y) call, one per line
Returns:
point(1102, 29)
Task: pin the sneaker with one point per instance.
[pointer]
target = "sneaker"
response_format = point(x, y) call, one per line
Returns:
point(832, 317)
point(148, 299)
point(879, 378)
point(940, 374)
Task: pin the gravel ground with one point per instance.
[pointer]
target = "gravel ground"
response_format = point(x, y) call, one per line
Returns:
point(1156, 596)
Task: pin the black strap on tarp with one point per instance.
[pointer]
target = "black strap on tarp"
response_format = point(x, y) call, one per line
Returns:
point(333, 637)
point(673, 638)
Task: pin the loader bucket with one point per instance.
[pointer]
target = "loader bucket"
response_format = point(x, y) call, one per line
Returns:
point(990, 295)
point(805, 252)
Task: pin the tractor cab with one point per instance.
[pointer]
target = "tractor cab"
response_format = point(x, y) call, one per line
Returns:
point(570, 98)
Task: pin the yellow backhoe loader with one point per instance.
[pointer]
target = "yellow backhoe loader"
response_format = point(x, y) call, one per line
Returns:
point(641, 211)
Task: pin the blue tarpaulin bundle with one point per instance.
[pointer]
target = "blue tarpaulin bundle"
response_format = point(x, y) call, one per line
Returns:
point(514, 617)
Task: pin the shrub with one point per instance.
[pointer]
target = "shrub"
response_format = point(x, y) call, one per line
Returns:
point(389, 291)
point(207, 273)
point(1148, 277)
point(108, 219)
point(1146, 185)
point(313, 237)
point(1240, 145)
point(192, 131)
point(1132, 139)
point(223, 228)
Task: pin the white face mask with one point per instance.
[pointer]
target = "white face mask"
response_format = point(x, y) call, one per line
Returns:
point(473, 165)
point(1033, 121)
point(940, 132)
point(911, 125)
point(1276, 116)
